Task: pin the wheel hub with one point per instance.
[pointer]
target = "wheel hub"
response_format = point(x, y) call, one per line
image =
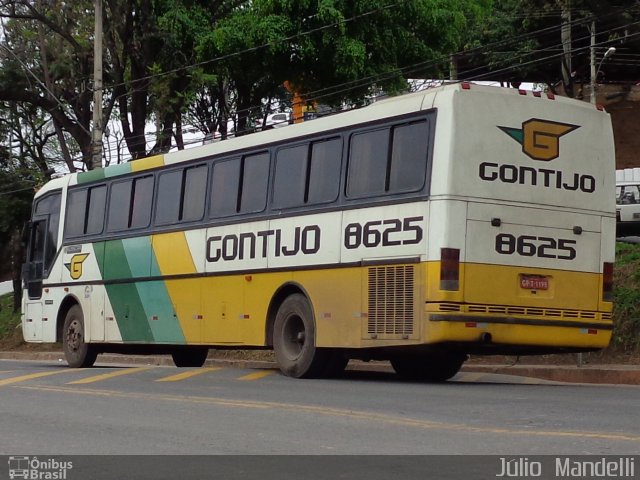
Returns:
point(74, 335)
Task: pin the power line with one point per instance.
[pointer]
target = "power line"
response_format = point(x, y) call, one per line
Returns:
point(259, 47)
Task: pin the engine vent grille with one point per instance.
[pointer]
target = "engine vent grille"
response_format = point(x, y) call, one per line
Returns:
point(391, 293)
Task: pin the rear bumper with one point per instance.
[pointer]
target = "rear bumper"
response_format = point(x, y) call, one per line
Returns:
point(497, 334)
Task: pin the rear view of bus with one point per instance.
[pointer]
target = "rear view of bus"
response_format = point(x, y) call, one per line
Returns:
point(525, 185)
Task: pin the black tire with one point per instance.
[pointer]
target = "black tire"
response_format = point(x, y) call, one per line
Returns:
point(294, 340)
point(190, 356)
point(428, 368)
point(77, 352)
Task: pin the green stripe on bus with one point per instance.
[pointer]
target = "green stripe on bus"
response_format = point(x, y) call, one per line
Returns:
point(125, 300)
point(154, 296)
point(91, 175)
point(115, 170)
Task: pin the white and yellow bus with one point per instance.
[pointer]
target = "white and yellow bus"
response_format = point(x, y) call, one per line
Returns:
point(420, 229)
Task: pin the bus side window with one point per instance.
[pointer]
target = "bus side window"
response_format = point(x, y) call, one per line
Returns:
point(224, 187)
point(324, 173)
point(290, 176)
point(142, 200)
point(408, 157)
point(130, 204)
point(76, 212)
point(95, 211)
point(367, 171)
point(255, 180)
point(181, 195)
point(194, 193)
point(85, 211)
point(119, 202)
point(168, 201)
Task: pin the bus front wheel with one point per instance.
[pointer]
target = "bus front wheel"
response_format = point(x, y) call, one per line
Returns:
point(78, 353)
point(430, 368)
point(294, 339)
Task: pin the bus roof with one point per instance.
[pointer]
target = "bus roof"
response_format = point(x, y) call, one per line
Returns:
point(388, 107)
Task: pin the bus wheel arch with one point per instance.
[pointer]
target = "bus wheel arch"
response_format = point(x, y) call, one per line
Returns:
point(276, 301)
point(292, 331)
point(77, 352)
point(65, 306)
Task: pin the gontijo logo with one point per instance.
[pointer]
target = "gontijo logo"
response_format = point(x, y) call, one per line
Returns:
point(75, 265)
point(540, 139)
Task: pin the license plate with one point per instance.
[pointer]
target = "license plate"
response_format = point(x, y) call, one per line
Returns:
point(534, 282)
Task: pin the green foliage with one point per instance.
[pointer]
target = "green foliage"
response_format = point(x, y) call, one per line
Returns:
point(8, 319)
point(627, 296)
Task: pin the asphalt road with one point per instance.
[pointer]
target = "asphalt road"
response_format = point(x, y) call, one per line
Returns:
point(48, 408)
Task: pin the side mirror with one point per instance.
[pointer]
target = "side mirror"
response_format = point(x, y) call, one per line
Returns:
point(25, 272)
point(26, 232)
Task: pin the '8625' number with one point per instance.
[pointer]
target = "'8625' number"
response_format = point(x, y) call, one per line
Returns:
point(532, 246)
point(386, 233)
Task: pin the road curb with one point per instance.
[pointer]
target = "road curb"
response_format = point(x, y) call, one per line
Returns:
point(600, 374)
point(596, 374)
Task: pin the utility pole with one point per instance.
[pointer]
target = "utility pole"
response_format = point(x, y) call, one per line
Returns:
point(565, 37)
point(593, 62)
point(96, 157)
point(453, 67)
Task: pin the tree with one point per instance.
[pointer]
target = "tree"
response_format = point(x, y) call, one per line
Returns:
point(526, 41)
point(334, 51)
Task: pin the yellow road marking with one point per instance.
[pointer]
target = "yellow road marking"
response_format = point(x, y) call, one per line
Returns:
point(346, 413)
point(188, 374)
point(30, 376)
point(257, 375)
point(106, 376)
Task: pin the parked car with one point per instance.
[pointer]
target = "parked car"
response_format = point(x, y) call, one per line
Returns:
point(628, 202)
point(275, 120)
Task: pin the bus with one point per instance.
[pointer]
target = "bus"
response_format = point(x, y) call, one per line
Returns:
point(628, 202)
point(461, 220)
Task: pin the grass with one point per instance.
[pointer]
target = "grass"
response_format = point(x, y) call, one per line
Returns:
point(626, 297)
point(9, 321)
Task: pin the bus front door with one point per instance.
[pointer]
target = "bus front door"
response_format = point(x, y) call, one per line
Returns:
point(33, 270)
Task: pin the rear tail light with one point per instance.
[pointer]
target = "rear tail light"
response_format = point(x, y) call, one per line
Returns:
point(449, 269)
point(607, 282)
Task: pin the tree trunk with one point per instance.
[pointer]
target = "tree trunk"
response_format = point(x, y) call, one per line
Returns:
point(17, 259)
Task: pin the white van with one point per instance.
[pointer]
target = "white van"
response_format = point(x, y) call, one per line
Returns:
point(628, 202)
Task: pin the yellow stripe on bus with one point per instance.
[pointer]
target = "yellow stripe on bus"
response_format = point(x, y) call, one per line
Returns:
point(106, 376)
point(174, 258)
point(147, 163)
point(188, 374)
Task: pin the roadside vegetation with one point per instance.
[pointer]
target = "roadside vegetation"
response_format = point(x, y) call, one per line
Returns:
point(627, 297)
point(10, 334)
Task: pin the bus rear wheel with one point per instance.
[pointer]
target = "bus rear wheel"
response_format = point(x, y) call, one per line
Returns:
point(189, 356)
point(428, 368)
point(294, 339)
point(77, 352)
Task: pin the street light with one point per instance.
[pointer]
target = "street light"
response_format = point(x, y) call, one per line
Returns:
point(594, 72)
